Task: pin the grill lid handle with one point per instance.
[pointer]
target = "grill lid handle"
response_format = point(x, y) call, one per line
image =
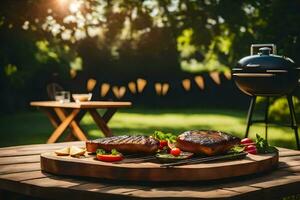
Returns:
point(253, 65)
point(264, 51)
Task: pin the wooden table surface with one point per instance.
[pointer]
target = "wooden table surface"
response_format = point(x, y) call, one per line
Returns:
point(87, 104)
point(20, 173)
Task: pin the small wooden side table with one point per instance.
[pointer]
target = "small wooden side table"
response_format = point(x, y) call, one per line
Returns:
point(64, 115)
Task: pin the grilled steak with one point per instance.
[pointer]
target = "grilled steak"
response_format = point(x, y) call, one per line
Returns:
point(206, 142)
point(124, 144)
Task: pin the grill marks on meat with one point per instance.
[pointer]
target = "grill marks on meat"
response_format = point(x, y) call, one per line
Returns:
point(206, 142)
point(198, 141)
point(124, 144)
point(127, 140)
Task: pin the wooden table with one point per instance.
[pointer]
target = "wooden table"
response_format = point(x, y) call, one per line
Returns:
point(20, 174)
point(64, 115)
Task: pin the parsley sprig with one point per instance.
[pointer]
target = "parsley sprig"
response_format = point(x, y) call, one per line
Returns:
point(263, 146)
point(159, 135)
point(103, 152)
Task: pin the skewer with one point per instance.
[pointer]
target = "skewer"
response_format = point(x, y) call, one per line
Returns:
point(201, 160)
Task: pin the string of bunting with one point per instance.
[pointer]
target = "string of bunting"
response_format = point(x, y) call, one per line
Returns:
point(161, 88)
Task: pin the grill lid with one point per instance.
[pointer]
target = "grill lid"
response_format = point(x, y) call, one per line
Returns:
point(265, 61)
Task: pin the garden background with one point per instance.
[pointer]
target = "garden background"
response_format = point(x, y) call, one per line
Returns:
point(171, 58)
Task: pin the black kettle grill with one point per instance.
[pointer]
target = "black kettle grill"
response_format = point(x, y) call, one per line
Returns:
point(269, 75)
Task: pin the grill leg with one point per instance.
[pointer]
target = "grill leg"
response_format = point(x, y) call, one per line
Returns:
point(267, 117)
point(293, 119)
point(250, 113)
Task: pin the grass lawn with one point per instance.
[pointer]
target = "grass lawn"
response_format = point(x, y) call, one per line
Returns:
point(34, 127)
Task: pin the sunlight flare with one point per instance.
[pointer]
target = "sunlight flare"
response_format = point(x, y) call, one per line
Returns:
point(74, 7)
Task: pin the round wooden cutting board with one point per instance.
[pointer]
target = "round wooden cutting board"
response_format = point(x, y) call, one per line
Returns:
point(151, 171)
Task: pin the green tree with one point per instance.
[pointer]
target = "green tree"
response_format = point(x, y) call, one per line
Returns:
point(136, 37)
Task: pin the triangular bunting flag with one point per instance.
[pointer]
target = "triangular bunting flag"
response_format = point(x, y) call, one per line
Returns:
point(104, 89)
point(132, 87)
point(158, 88)
point(200, 82)
point(141, 84)
point(186, 84)
point(215, 76)
point(165, 88)
point(90, 85)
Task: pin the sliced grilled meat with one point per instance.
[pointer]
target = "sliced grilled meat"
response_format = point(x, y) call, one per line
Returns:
point(206, 142)
point(124, 144)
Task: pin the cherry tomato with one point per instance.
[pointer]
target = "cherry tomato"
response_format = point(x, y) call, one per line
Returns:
point(251, 149)
point(175, 152)
point(162, 144)
point(247, 141)
point(109, 158)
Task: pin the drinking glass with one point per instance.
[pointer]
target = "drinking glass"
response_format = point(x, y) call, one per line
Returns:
point(62, 96)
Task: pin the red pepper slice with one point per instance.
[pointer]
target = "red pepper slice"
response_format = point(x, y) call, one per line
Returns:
point(109, 157)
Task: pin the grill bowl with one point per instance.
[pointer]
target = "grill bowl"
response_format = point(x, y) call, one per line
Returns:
point(266, 84)
point(266, 74)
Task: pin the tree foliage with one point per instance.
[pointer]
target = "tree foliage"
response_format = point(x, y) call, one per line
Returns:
point(138, 37)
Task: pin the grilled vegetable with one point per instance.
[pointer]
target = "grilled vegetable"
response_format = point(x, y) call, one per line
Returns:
point(109, 158)
point(114, 156)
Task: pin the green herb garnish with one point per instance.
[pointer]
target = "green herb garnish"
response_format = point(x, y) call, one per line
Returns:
point(115, 152)
point(103, 152)
point(263, 146)
point(159, 135)
point(236, 149)
point(100, 152)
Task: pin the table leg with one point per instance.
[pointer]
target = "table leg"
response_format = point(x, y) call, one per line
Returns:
point(78, 118)
point(78, 133)
point(62, 127)
point(80, 115)
point(55, 122)
point(102, 124)
point(108, 114)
